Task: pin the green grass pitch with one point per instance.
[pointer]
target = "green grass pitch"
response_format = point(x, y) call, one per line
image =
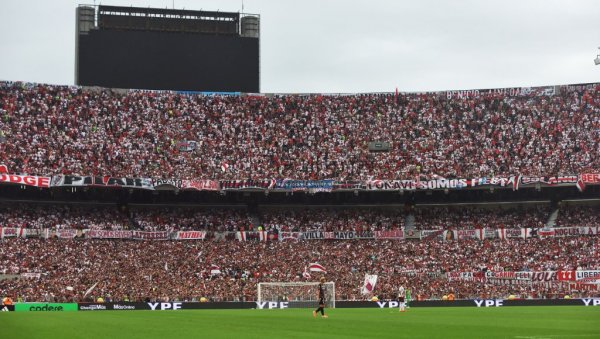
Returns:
point(498, 322)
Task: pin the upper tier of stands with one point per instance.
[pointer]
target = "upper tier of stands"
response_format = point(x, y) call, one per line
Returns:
point(46, 130)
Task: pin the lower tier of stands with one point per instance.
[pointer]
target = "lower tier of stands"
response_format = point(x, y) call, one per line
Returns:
point(63, 270)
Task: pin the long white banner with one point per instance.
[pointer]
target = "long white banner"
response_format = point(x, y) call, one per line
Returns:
point(446, 235)
point(515, 277)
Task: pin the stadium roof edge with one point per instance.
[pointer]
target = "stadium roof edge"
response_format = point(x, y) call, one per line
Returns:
point(448, 91)
point(491, 203)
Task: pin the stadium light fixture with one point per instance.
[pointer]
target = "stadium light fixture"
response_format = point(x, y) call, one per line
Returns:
point(597, 60)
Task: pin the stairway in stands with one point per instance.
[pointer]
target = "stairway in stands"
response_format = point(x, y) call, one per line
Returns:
point(253, 214)
point(409, 222)
point(552, 219)
point(254, 219)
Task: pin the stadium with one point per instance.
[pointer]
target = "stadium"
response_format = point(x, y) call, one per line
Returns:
point(168, 204)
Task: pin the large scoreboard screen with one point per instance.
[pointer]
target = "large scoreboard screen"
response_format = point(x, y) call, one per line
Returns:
point(175, 52)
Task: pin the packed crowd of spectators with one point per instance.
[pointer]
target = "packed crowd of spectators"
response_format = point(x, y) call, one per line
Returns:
point(184, 219)
point(48, 130)
point(333, 219)
point(167, 270)
point(574, 215)
point(111, 217)
point(461, 217)
point(104, 217)
point(293, 219)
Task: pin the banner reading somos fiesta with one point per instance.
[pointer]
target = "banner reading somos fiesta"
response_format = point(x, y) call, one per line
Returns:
point(514, 182)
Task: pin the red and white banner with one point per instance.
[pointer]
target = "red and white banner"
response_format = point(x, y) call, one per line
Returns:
point(28, 180)
point(587, 277)
point(142, 235)
point(543, 276)
point(183, 235)
point(585, 179)
point(453, 276)
point(339, 235)
point(428, 235)
point(262, 236)
point(566, 231)
point(200, 185)
point(369, 284)
point(316, 267)
point(590, 178)
point(66, 233)
point(214, 269)
point(581, 277)
point(566, 275)
point(240, 235)
point(63, 233)
point(466, 234)
point(546, 232)
point(289, 236)
point(100, 181)
point(589, 230)
point(7, 232)
point(21, 232)
point(513, 181)
point(102, 234)
point(504, 275)
point(394, 234)
point(574, 286)
point(31, 275)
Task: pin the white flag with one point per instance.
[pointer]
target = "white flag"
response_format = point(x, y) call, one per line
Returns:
point(369, 284)
point(90, 290)
point(224, 166)
point(305, 274)
point(214, 269)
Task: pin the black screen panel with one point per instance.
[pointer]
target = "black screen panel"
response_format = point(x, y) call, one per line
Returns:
point(168, 61)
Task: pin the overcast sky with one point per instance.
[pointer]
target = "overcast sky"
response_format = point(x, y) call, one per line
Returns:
point(354, 46)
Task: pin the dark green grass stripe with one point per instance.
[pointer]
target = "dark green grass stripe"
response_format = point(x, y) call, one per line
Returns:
point(502, 322)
